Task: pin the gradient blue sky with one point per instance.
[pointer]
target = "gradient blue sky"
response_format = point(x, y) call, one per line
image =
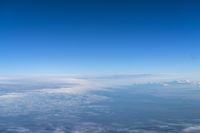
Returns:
point(99, 36)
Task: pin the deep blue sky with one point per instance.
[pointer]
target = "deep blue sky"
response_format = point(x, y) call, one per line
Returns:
point(99, 36)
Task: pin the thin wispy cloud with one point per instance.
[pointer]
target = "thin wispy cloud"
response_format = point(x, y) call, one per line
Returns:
point(192, 129)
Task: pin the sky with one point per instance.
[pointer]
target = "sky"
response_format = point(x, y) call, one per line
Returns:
point(99, 37)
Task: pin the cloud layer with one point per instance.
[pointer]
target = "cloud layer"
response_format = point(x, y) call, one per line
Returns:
point(99, 104)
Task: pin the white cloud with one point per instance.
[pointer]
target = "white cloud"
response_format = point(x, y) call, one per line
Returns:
point(80, 86)
point(192, 129)
point(59, 130)
point(88, 127)
point(11, 96)
point(19, 130)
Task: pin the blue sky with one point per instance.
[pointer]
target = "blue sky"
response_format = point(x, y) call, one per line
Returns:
point(99, 37)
